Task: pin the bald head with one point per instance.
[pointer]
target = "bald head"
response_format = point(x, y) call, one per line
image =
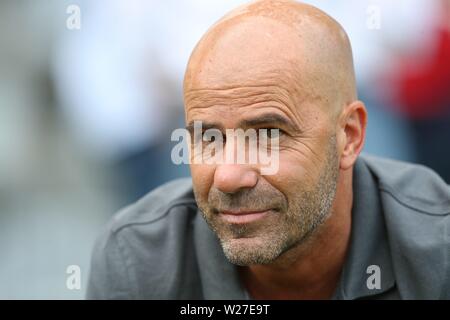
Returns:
point(274, 65)
point(285, 43)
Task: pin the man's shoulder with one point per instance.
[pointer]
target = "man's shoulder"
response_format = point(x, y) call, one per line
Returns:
point(415, 204)
point(155, 205)
point(147, 249)
point(412, 186)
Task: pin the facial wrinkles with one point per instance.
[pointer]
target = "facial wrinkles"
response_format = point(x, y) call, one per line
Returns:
point(283, 83)
point(262, 197)
point(238, 100)
point(225, 106)
point(297, 219)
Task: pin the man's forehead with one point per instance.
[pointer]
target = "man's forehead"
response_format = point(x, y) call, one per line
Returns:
point(249, 105)
point(244, 52)
point(268, 118)
point(274, 87)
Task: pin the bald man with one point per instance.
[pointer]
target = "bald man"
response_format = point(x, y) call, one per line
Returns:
point(327, 224)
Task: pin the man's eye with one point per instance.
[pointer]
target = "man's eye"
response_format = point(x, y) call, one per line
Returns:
point(212, 135)
point(271, 133)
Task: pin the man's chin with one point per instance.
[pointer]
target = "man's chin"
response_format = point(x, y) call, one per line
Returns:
point(245, 251)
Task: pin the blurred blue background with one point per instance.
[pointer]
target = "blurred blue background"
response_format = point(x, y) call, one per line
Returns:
point(88, 103)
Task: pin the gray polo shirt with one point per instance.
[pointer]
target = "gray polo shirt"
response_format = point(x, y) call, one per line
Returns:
point(161, 247)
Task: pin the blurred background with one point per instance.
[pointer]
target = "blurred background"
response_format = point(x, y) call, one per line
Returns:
point(90, 92)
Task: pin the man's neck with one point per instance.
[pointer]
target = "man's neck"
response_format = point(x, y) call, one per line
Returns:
point(310, 270)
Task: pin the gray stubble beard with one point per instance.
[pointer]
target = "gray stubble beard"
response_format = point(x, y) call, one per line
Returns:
point(310, 210)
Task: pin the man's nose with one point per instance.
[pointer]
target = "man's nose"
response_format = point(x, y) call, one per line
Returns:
point(230, 178)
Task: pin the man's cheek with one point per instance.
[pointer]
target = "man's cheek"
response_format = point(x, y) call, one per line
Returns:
point(296, 170)
point(285, 177)
point(202, 178)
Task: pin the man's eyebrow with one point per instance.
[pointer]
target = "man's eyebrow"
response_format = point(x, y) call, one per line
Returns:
point(269, 119)
point(205, 126)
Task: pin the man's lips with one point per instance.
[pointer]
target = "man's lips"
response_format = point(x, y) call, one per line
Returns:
point(240, 217)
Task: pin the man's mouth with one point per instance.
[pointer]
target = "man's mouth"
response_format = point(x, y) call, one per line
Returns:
point(241, 216)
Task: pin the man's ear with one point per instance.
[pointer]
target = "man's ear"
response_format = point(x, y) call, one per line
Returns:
point(352, 128)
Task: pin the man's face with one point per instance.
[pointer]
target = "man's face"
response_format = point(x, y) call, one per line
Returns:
point(291, 203)
point(257, 74)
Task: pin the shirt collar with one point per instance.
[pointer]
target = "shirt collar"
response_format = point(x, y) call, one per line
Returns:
point(368, 241)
